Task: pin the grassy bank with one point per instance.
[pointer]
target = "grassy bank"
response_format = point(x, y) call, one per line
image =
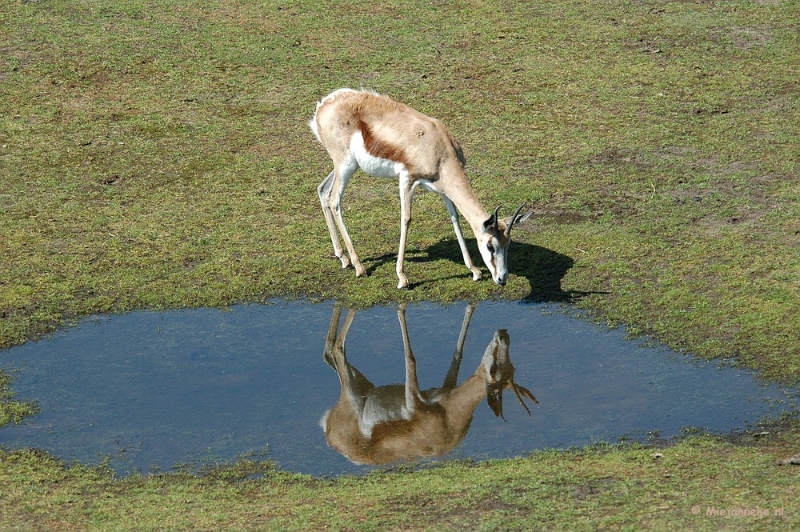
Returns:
point(156, 155)
point(699, 484)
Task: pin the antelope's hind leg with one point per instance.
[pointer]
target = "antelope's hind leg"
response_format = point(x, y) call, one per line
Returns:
point(324, 193)
point(341, 178)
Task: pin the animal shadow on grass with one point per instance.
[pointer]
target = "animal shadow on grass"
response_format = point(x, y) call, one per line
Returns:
point(543, 268)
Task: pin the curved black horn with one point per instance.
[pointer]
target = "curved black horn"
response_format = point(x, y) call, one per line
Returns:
point(495, 214)
point(513, 218)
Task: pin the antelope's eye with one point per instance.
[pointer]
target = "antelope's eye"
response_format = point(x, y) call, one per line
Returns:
point(490, 248)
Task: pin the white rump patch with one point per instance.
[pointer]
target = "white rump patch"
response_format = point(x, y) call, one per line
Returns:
point(323, 422)
point(313, 125)
point(313, 122)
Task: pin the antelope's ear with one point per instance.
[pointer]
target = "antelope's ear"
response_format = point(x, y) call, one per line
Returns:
point(495, 400)
point(516, 218)
point(490, 224)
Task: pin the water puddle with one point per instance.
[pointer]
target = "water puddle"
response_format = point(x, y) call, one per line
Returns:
point(149, 390)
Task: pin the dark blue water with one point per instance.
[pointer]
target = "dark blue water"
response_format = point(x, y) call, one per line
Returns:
point(149, 390)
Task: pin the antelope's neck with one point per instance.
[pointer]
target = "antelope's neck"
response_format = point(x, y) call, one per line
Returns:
point(461, 403)
point(466, 201)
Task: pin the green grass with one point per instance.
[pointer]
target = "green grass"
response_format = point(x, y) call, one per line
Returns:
point(628, 488)
point(156, 155)
point(12, 411)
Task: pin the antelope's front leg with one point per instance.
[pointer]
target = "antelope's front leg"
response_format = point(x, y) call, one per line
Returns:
point(451, 209)
point(406, 193)
point(412, 393)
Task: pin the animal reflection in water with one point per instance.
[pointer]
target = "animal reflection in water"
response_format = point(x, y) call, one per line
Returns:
point(378, 425)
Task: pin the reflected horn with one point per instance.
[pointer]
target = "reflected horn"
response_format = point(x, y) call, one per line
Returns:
point(495, 398)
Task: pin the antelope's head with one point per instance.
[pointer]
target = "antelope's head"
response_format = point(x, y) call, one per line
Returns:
point(500, 374)
point(494, 240)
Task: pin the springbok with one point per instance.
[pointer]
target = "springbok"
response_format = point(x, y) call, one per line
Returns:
point(378, 425)
point(385, 138)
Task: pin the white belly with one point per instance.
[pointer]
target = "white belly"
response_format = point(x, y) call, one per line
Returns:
point(374, 166)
